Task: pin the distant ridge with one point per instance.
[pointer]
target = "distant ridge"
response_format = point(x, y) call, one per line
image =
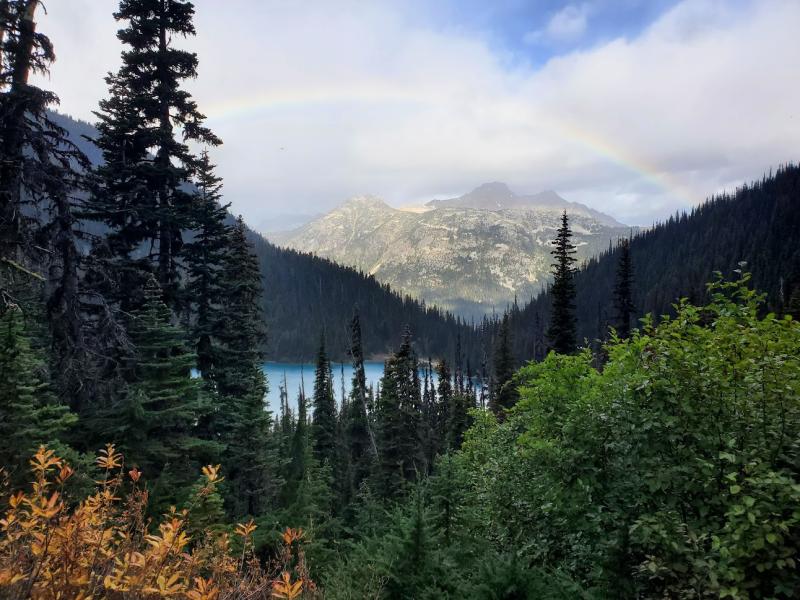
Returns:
point(472, 255)
point(498, 196)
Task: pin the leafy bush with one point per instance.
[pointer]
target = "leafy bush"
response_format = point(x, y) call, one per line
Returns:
point(673, 472)
point(104, 547)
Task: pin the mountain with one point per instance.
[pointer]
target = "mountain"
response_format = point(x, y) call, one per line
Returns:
point(305, 295)
point(758, 224)
point(497, 196)
point(472, 255)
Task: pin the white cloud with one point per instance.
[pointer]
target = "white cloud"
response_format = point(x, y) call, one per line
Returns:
point(566, 25)
point(318, 104)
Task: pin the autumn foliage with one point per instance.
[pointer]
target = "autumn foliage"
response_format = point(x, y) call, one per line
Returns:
point(106, 547)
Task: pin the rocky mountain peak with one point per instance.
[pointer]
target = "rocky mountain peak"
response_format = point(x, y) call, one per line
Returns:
point(498, 196)
point(494, 193)
point(365, 201)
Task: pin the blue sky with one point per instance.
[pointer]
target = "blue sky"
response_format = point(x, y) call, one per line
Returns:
point(534, 31)
point(634, 107)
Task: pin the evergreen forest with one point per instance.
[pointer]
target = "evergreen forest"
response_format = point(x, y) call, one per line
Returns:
point(632, 432)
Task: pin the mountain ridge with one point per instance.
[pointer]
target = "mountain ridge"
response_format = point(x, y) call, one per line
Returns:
point(497, 195)
point(473, 255)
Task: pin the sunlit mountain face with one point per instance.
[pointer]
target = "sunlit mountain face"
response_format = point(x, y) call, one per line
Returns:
point(475, 254)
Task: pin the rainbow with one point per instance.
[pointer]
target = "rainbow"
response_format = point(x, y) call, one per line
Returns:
point(629, 161)
point(367, 93)
point(275, 100)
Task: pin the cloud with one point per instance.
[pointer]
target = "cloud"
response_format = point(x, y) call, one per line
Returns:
point(566, 25)
point(349, 97)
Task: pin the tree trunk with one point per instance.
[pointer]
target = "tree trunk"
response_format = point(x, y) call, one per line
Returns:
point(11, 127)
point(165, 258)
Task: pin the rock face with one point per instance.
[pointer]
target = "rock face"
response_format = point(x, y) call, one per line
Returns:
point(472, 254)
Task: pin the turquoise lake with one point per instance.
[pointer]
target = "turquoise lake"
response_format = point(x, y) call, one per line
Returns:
point(297, 373)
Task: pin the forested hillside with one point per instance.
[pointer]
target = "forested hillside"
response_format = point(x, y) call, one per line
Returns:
point(140, 460)
point(305, 295)
point(758, 224)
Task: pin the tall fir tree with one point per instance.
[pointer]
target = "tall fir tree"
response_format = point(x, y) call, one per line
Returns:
point(155, 424)
point(243, 422)
point(429, 418)
point(504, 394)
point(299, 453)
point(284, 425)
point(204, 257)
point(31, 414)
point(624, 308)
point(458, 367)
point(142, 192)
point(444, 404)
point(460, 405)
point(323, 427)
point(41, 171)
point(26, 140)
point(400, 452)
point(361, 439)
point(251, 451)
point(561, 332)
point(240, 331)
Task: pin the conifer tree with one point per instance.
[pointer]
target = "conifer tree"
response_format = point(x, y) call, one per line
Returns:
point(251, 450)
point(142, 194)
point(416, 563)
point(70, 316)
point(204, 257)
point(299, 449)
point(243, 422)
point(399, 413)
point(323, 427)
point(156, 423)
point(284, 425)
point(29, 412)
point(458, 364)
point(430, 418)
point(342, 471)
point(504, 395)
point(240, 331)
point(39, 175)
point(361, 440)
point(29, 140)
point(460, 405)
point(623, 291)
point(562, 319)
point(444, 404)
point(207, 511)
point(483, 391)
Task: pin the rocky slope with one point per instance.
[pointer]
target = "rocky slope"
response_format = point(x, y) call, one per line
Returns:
point(471, 254)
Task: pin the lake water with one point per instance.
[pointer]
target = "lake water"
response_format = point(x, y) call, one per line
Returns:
point(297, 373)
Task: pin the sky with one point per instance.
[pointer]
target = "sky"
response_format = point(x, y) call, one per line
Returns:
point(638, 108)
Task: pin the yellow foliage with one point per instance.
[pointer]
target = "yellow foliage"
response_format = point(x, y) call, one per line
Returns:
point(286, 588)
point(105, 548)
